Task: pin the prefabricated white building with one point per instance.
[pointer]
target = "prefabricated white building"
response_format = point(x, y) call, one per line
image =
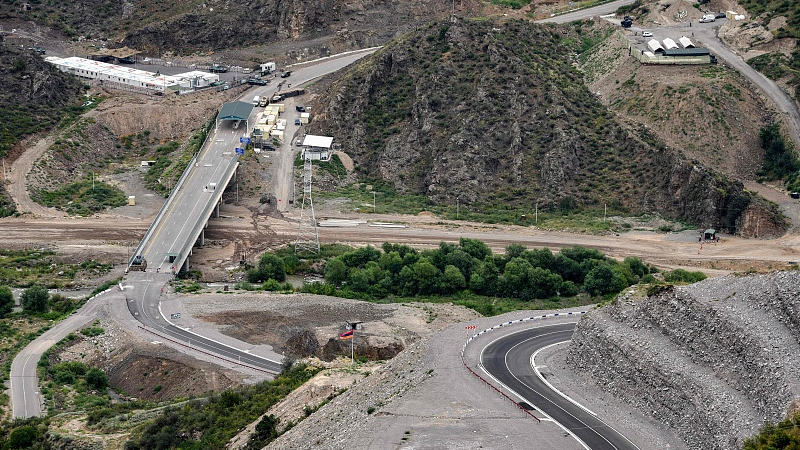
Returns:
point(97, 70)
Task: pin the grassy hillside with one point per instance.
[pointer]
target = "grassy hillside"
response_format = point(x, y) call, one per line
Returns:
point(494, 113)
point(34, 97)
point(777, 65)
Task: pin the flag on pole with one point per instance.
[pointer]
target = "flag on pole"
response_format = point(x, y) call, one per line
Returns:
point(346, 335)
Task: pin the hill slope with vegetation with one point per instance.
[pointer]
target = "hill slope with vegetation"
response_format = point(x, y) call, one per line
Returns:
point(212, 25)
point(35, 97)
point(494, 114)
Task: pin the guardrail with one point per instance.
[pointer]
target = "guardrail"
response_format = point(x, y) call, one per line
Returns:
point(171, 196)
point(175, 341)
point(505, 324)
point(216, 197)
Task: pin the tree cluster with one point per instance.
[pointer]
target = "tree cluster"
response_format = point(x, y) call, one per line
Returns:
point(470, 266)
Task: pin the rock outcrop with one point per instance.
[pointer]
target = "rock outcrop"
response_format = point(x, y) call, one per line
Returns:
point(712, 360)
point(495, 113)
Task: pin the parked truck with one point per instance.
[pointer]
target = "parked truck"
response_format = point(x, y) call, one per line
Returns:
point(138, 264)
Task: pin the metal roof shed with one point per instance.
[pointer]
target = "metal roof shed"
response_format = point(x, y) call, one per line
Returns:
point(235, 111)
point(655, 46)
point(686, 52)
point(686, 42)
point(317, 141)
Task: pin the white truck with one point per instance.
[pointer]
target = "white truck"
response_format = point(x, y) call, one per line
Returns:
point(708, 18)
point(256, 100)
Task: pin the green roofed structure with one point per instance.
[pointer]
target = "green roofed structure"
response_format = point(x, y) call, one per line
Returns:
point(234, 111)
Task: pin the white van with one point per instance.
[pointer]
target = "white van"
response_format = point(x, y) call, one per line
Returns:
point(256, 99)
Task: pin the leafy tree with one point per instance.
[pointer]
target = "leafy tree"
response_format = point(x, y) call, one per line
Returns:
point(568, 289)
point(360, 257)
point(636, 266)
point(580, 254)
point(453, 280)
point(23, 437)
point(514, 251)
point(34, 299)
point(6, 301)
point(542, 283)
point(475, 248)
point(541, 258)
point(484, 278)
point(269, 266)
point(603, 279)
point(427, 276)
point(782, 436)
point(335, 271)
point(96, 379)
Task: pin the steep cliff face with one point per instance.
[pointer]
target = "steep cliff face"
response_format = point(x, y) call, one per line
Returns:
point(712, 360)
point(495, 113)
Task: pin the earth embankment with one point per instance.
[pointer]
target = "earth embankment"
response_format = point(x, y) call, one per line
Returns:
point(713, 360)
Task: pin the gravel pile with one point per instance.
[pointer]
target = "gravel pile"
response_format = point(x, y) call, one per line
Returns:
point(713, 360)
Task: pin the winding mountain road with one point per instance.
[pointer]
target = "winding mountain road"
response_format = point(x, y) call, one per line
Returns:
point(510, 360)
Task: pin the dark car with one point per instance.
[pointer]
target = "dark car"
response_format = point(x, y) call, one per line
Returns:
point(720, 15)
point(794, 195)
point(217, 69)
point(39, 50)
point(256, 81)
point(300, 108)
point(286, 74)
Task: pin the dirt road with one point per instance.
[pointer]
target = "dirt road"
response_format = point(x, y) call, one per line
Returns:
point(784, 103)
point(18, 188)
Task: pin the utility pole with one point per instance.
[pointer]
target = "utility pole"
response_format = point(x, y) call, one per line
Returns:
point(373, 201)
point(458, 205)
point(537, 212)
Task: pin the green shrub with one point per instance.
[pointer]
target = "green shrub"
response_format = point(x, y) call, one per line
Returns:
point(683, 276)
point(92, 331)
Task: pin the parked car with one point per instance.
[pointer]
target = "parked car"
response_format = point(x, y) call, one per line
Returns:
point(794, 195)
point(286, 74)
point(217, 69)
point(720, 15)
point(647, 34)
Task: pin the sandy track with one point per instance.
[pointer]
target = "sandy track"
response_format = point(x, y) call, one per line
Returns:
point(664, 250)
point(18, 188)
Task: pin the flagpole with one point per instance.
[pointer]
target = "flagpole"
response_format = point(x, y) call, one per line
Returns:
point(352, 354)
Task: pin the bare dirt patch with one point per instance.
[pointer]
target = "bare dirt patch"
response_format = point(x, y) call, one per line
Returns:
point(147, 370)
point(305, 325)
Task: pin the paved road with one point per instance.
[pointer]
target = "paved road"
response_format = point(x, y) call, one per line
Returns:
point(607, 8)
point(784, 104)
point(508, 359)
point(25, 398)
point(143, 291)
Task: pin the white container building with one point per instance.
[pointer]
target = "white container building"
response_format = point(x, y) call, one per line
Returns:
point(128, 76)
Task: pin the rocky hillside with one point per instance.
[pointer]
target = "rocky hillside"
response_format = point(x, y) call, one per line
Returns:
point(34, 97)
point(34, 94)
point(712, 360)
point(711, 114)
point(495, 113)
point(204, 25)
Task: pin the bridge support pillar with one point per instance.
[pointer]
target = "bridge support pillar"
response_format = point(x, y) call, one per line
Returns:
point(216, 211)
point(201, 241)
